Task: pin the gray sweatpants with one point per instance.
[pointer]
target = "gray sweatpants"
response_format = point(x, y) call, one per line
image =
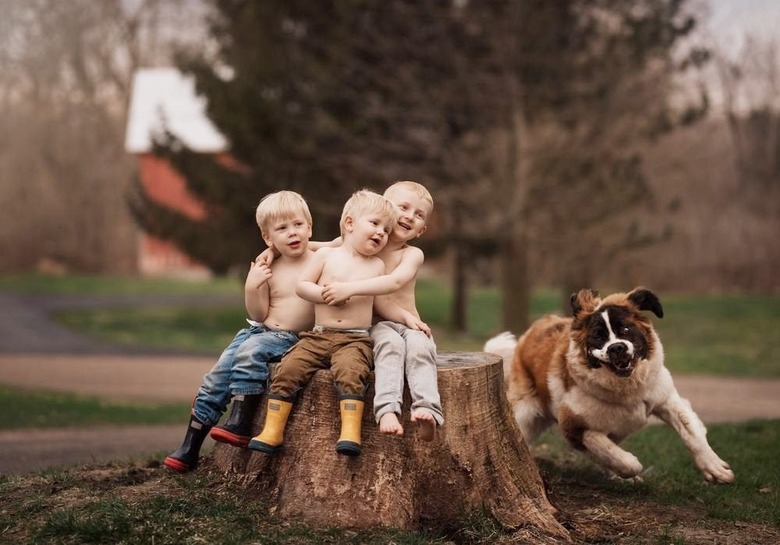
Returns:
point(399, 351)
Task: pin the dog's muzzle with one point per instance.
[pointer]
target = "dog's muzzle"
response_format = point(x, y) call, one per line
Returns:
point(618, 357)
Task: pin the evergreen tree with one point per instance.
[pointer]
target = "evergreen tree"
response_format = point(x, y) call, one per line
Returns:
point(513, 113)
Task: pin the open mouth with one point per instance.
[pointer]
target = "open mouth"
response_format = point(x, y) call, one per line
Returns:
point(622, 367)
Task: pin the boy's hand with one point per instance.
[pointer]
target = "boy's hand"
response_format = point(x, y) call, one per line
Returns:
point(419, 325)
point(267, 256)
point(258, 274)
point(336, 293)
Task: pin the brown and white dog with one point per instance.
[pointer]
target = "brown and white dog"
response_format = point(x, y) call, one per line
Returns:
point(600, 375)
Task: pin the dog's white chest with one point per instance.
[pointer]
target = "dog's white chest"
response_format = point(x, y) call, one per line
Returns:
point(617, 420)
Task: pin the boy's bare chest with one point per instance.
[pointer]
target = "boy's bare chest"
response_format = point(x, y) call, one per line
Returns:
point(393, 258)
point(284, 279)
point(346, 269)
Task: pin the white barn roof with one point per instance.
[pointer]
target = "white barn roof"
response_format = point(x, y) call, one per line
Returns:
point(165, 97)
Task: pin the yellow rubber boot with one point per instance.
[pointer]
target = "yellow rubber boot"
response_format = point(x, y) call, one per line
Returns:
point(271, 438)
point(351, 420)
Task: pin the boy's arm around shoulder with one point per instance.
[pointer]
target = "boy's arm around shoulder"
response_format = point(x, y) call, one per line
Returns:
point(315, 245)
point(338, 292)
point(269, 254)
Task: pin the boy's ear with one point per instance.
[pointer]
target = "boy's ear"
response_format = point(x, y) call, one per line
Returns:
point(267, 240)
point(422, 231)
point(348, 223)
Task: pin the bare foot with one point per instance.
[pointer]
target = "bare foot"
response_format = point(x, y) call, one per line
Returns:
point(389, 425)
point(426, 425)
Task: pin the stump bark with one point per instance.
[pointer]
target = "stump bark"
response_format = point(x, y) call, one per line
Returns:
point(478, 460)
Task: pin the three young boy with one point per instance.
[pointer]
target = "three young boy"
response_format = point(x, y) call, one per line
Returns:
point(340, 288)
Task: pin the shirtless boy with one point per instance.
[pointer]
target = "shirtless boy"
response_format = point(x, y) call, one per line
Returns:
point(276, 316)
point(400, 350)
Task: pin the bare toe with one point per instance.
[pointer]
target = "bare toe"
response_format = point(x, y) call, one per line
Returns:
point(426, 425)
point(389, 425)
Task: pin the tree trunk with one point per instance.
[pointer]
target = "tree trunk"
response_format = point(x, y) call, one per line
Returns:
point(515, 283)
point(460, 266)
point(477, 461)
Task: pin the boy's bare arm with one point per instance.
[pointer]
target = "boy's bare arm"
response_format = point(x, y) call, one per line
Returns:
point(390, 310)
point(257, 295)
point(307, 287)
point(338, 292)
point(316, 245)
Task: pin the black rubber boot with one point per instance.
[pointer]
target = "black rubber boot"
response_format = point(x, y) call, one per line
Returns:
point(186, 457)
point(237, 430)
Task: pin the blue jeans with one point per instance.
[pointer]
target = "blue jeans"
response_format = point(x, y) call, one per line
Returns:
point(242, 369)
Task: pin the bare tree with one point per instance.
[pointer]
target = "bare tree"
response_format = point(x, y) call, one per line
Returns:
point(65, 74)
point(750, 84)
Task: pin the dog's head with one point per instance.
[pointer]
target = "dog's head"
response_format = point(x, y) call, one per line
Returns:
point(612, 331)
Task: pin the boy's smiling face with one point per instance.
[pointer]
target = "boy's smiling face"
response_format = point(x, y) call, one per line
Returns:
point(412, 212)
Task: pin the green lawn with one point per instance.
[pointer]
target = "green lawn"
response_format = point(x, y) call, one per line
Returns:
point(670, 477)
point(26, 409)
point(728, 335)
point(113, 285)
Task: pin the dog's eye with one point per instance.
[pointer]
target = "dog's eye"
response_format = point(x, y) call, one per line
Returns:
point(625, 329)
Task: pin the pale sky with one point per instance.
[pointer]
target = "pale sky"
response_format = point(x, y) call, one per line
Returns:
point(732, 19)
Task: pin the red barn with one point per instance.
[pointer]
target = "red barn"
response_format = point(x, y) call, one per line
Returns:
point(165, 97)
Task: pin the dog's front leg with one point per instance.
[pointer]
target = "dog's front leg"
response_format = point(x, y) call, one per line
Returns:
point(603, 450)
point(677, 412)
point(607, 453)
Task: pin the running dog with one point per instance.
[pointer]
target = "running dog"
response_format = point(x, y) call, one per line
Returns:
point(600, 375)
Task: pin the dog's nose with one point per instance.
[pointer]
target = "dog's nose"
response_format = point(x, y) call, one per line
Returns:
point(616, 350)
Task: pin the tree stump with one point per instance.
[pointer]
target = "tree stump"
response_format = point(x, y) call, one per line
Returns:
point(478, 460)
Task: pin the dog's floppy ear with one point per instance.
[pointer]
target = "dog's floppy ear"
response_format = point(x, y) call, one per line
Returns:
point(644, 299)
point(584, 300)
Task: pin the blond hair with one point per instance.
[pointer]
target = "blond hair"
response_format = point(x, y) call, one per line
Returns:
point(417, 188)
point(279, 206)
point(364, 202)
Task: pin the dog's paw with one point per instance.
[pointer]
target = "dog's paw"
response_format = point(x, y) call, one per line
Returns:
point(714, 469)
point(628, 466)
point(636, 479)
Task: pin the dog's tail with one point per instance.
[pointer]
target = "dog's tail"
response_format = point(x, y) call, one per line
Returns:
point(503, 345)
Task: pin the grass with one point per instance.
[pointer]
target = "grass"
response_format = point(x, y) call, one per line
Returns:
point(172, 511)
point(144, 504)
point(670, 477)
point(112, 285)
point(190, 329)
point(726, 335)
point(26, 409)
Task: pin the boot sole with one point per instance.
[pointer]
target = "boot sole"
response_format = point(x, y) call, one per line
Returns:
point(224, 436)
point(349, 448)
point(177, 465)
point(264, 447)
